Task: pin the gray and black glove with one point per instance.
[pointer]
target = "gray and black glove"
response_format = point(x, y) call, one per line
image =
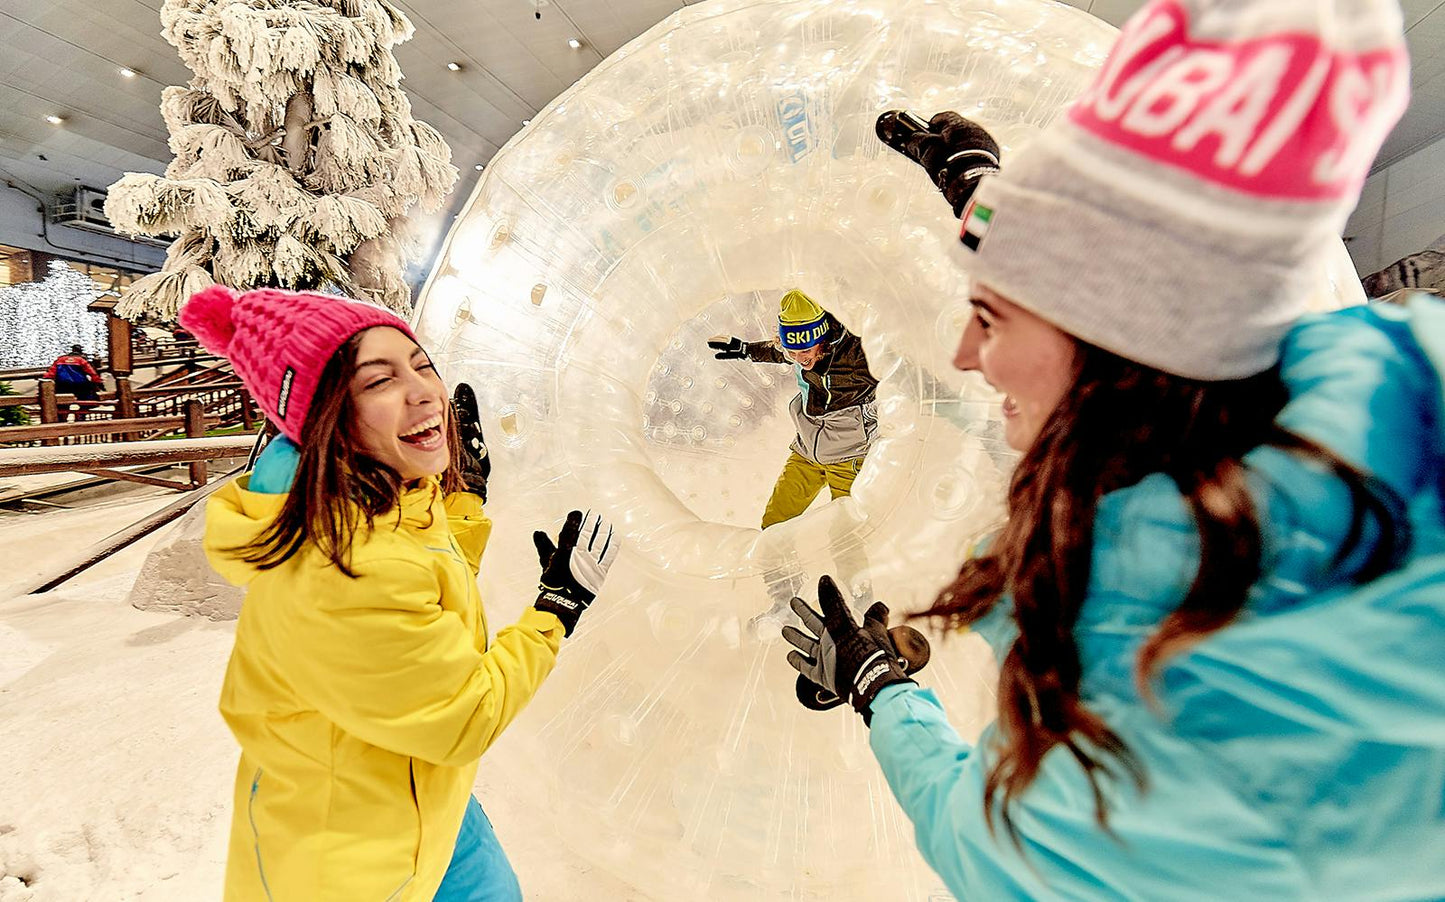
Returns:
point(845, 660)
point(573, 569)
point(956, 152)
point(729, 348)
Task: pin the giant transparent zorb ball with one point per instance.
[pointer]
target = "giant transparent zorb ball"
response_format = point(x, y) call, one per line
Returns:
point(673, 195)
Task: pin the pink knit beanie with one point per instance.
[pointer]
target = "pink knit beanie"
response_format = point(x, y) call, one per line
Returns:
point(280, 341)
point(1178, 214)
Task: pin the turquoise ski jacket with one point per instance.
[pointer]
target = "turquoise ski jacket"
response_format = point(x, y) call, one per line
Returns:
point(1298, 753)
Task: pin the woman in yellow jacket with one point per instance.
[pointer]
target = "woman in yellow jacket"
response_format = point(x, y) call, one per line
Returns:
point(362, 687)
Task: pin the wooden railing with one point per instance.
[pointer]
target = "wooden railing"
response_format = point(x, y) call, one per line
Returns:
point(102, 459)
point(195, 392)
point(225, 401)
point(228, 402)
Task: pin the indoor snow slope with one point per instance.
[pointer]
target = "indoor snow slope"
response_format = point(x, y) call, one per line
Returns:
point(672, 195)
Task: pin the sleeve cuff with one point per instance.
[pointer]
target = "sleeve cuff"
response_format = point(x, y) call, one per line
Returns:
point(541, 621)
point(890, 693)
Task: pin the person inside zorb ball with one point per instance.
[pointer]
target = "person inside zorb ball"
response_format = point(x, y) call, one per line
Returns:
point(1217, 599)
point(835, 412)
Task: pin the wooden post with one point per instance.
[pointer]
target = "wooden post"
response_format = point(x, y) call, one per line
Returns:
point(119, 341)
point(247, 419)
point(119, 344)
point(196, 428)
point(49, 411)
point(125, 405)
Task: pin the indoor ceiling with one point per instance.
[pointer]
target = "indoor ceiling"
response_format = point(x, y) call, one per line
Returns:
point(65, 58)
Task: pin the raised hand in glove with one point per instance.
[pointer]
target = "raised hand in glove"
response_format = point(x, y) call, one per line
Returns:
point(956, 152)
point(728, 348)
point(573, 569)
point(846, 660)
point(476, 464)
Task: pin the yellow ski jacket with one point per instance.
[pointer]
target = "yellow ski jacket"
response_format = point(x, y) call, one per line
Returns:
point(362, 705)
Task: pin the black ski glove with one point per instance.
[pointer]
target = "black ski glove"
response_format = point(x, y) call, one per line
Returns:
point(573, 569)
point(854, 662)
point(476, 464)
point(729, 349)
point(956, 152)
point(913, 654)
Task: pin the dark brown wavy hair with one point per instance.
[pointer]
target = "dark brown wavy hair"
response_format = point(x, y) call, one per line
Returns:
point(337, 485)
point(1121, 422)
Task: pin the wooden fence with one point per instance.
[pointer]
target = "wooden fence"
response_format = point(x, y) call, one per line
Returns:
point(225, 401)
point(148, 425)
point(100, 459)
point(104, 459)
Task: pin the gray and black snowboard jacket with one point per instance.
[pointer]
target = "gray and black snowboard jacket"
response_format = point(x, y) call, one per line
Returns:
point(836, 409)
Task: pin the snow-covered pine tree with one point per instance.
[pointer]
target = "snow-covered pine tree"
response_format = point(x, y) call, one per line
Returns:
point(39, 321)
point(297, 157)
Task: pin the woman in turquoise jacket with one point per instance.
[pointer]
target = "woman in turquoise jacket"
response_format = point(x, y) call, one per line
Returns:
point(1218, 603)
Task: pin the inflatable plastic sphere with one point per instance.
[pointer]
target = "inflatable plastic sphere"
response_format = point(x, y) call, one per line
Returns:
point(673, 195)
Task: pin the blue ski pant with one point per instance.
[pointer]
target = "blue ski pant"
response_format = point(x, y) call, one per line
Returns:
point(479, 871)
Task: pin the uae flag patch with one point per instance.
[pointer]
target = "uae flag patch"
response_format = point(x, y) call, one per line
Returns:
point(975, 225)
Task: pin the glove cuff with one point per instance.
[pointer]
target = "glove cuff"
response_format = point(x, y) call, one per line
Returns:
point(865, 708)
point(568, 609)
point(878, 671)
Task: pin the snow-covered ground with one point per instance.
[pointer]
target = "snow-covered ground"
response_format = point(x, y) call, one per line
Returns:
point(114, 765)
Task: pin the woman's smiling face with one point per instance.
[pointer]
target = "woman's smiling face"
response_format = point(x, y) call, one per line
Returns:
point(399, 404)
point(1027, 358)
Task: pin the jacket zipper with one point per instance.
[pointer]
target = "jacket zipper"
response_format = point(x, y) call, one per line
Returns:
point(256, 833)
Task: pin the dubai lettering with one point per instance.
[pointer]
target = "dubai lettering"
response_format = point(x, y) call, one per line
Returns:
point(1245, 114)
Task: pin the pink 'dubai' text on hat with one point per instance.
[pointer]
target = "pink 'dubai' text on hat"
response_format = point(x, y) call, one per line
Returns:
point(280, 341)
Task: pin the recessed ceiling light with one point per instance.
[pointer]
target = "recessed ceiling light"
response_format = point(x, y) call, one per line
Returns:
point(526, 122)
point(454, 66)
point(127, 72)
point(574, 43)
point(479, 167)
point(54, 119)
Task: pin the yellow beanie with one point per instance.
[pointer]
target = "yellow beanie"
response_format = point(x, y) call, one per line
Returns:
point(801, 322)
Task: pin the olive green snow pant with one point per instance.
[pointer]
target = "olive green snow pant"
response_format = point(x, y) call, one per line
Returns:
point(797, 486)
point(802, 480)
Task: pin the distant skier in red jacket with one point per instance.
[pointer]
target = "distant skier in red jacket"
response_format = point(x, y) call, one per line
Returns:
point(74, 375)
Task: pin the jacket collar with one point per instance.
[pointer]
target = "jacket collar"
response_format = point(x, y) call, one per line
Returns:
point(418, 502)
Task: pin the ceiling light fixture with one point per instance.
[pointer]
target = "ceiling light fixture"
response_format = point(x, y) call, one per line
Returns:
point(479, 167)
point(526, 122)
point(574, 43)
point(54, 119)
point(127, 72)
point(454, 66)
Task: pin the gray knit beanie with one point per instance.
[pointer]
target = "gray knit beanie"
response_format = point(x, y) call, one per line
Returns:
point(1178, 213)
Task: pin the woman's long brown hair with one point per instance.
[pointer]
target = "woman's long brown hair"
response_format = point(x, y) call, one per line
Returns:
point(1121, 422)
point(337, 485)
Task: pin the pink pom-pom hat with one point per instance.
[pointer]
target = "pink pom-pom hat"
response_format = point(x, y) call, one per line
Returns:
point(280, 341)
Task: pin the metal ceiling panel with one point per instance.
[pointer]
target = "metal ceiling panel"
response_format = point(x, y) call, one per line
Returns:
point(63, 55)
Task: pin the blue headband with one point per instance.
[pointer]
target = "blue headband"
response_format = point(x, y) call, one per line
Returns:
point(803, 335)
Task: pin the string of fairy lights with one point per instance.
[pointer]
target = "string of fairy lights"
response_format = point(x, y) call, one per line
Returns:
point(39, 321)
